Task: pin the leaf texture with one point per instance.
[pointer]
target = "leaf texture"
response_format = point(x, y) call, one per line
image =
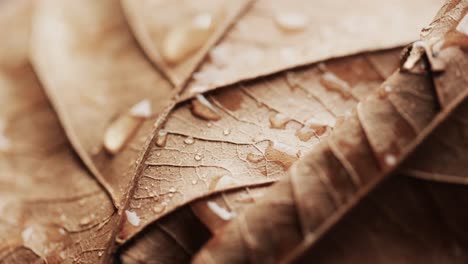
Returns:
point(93, 71)
point(361, 71)
point(53, 211)
point(406, 220)
point(172, 17)
point(257, 45)
point(258, 134)
point(361, 152)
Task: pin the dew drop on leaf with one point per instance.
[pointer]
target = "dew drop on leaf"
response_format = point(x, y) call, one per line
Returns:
point(198, 157)
point(187, 37)
point(189, 140)
point(202, 108)
point(279, 120)
point(290, 21)
point(254, 158)
point(162, 138)
point(132, 218)
point(333, 83)
point(119, 132)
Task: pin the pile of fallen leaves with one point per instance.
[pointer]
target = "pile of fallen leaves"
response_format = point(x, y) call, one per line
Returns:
point(266, 131)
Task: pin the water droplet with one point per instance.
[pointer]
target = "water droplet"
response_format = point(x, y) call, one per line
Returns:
point(119, 132)
point(194, 182)
point(281, 154)
point(226, 132)
point(390, 160)
point(189, 140)
point(187, 37)
point(159, 208)
point(462, 26)
point(220, 211)
point(305, 133)
point(62, 231)
point(279, 120)
point(100, 254)
point(162, 138)
point(85, 220)
point(132, 218)
point(198, 157)
point(209, 124)
point(203, 109)
point(172, 189)
point(385, 90)
point(27, 233)
point(312, 126)
point(254, 158)
point(141, 109)
point(331, 82)
point(291, 21)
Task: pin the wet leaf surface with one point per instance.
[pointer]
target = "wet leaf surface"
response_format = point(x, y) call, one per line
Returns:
point(179, 36)
point(360, 153)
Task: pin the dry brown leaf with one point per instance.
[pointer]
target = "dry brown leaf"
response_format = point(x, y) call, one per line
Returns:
point(258, 133)
point(361, 71)
point(361, 152)
point(52, 210)
point(93, 72)
point(259, 44)
point(407, 220)
point(176, 35)
point(173, 239)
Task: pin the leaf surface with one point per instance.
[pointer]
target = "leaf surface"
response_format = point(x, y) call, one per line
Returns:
point(53, 210)
point(361, 152)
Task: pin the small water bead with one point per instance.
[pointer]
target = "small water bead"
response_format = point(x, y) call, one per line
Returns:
point(162, 138)
point(226, 132)
point(160, 208)
point(189, 140)
point(119, 132)
point(291, 21)
point(141, 109)
point(132, 218)
point(203, 109)
point(279, 121)
point(390, 160)
point(254, 158)
point(172, 189)
point(209, 124)
point(27, 233)
point(281, 153)
point(385, 90)
point(333, 83)
point(194, 182)
point(187, 37)
point(198, 157)
point(100, 254)
point(85, 220)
